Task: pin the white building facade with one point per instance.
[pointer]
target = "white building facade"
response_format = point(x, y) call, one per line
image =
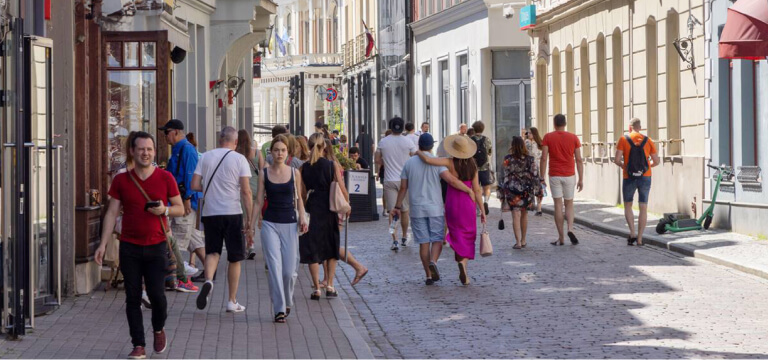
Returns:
point(471, 64)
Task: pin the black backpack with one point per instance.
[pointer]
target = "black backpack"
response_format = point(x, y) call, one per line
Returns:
point(481, 156)
point(637, 164)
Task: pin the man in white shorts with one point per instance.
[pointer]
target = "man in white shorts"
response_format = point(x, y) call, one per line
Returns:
point(393, 151)
point(563, 152)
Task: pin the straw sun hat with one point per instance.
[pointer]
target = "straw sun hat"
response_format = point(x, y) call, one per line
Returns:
point(460, 146)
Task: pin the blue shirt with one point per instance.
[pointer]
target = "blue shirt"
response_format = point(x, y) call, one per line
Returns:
point(425, 197)
point(186, 170)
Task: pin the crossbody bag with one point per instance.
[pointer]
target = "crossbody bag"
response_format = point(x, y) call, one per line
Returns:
point(168, 236)
point(201, 202)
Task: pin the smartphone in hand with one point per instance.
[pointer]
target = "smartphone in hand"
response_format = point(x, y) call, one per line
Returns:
point(151, 204)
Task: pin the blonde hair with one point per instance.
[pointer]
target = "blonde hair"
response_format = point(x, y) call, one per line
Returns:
point(318, 146)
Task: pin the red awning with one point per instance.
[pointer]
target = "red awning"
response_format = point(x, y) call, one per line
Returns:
point(745, 35)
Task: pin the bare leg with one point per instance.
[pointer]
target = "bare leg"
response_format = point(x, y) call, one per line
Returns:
point(424, 255)
point(314, 272)
point(559, 219)
point(348, 258)
point(523, 225)
point(516, 226)
point(391, 219)
point(642, 220)
point(200, 254)
point(569, 214)
point(538, 203)
point(331, 272)
point(325, 273)
point(405, 221)
point(234, 280)
point(437, 249)
point(629, 215)
point(211, 262)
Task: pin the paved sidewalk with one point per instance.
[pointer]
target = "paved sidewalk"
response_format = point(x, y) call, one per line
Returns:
point(737, 251)
point(95, 326)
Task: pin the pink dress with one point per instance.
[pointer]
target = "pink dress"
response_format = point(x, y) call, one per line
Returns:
point(461, 218)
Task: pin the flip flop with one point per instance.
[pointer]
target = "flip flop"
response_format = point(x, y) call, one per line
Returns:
point(359, 277)
point(573, 238)
point(517, 247)
point(556, 242)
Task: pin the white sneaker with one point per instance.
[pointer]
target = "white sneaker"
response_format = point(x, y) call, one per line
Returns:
point(189, 269)
point(234, 307)
point(145, 300)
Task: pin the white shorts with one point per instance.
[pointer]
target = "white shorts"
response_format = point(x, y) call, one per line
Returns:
point(562, 187)
point(391, 189)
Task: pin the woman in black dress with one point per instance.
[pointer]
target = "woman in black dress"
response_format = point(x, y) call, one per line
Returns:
point(321, 243)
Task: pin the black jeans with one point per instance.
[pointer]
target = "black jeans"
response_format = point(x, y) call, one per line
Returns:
point(148, 263)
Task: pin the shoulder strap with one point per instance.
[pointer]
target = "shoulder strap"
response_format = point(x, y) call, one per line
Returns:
point(214, 172)
point(629, 140)
point(645, 140)
point(162, 223)
point(178, 159)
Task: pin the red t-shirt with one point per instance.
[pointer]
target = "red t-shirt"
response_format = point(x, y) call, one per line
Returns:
point(562, 145)
point(142, 227)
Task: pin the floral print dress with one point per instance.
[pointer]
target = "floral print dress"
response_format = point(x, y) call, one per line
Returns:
point(520, 183)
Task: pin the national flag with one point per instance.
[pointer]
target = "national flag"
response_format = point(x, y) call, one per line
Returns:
point(280, 44)
point(370, 42)
point(271, 45)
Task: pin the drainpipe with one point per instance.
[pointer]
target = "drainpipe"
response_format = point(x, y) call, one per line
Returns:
point(630, 11)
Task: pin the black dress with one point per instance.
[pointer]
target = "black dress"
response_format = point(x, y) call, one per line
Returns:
point(321, 242)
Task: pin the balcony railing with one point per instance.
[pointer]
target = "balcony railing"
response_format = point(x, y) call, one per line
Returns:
point(354, 50)
point(301, 60)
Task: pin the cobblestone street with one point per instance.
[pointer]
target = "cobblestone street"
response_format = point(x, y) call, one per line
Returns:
point(598, 299)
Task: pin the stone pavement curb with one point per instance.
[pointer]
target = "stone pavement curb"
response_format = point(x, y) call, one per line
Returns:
point(683, 248)
point(359, 345)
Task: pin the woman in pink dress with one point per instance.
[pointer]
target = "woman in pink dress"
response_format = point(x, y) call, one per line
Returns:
point(460, 207)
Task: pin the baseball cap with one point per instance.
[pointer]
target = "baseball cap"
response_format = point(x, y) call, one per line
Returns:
point(318, 125)
point(173, 124)
point(396, 125)
point(426, 141)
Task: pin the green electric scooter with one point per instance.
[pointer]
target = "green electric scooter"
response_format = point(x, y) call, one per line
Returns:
point(672, 224)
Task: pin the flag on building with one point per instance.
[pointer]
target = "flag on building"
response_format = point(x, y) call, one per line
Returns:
point(271, 45)
point(369, 38)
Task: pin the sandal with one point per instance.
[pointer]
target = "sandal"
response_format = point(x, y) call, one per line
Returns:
point(463, 275)
point(331, 292)
point(631, 241)
point(557, 242)
point(524, 245)
point(315, 295)
point(280, 318)
point(359, 277)
point(287, 311)
point(517, 247)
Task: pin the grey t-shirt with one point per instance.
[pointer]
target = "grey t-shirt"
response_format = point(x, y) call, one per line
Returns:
point(424, 193)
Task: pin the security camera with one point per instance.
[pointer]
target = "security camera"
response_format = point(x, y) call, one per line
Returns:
point(508, 11)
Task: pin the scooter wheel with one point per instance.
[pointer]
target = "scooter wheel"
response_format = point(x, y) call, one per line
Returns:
point(661, 227)
point(707, 222)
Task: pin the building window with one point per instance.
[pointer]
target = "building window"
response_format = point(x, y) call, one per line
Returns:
point(131, 93)
point(463, 95)
point(652, 78)
point(557, 87)
point(445, 93)
point(427, 84)
point(673, 83)
point(602, 95)
point(743, 110)
point(570, 90)
point(586, 98)
point(618, 85)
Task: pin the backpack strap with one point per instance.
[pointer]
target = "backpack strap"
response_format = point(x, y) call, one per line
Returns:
point(629, 140)
point(645, 140)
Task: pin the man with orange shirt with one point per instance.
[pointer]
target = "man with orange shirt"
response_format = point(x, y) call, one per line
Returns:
point(563, 152)
point(637, 176)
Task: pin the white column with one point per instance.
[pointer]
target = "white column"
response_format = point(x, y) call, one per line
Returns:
point(324, 24)
point(311, 41)
point(280, 105)
point(294, 29)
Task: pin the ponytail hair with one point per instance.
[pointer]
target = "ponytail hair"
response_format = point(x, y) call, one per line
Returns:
point(318, 145)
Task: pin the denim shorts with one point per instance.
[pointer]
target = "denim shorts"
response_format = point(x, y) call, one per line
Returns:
point(428, 229)
point(642, 185)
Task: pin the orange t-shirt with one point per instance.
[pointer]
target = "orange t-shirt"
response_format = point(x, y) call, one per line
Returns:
point(637, 138)
point(562, 145)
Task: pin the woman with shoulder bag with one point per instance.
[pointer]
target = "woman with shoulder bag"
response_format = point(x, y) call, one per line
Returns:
point(321, 242)
point(280, 226)
point(520, 186)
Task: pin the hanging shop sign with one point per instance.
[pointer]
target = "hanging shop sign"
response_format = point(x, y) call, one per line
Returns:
point(527, 17)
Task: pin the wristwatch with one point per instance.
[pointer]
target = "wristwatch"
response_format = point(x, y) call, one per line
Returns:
point(397, 207)
point(167, 209)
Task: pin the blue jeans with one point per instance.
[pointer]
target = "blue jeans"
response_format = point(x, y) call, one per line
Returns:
point(642, 185)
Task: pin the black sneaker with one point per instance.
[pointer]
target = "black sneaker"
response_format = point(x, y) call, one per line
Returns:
point(394, 246)
point(202, 298)
point(403, 242)
point(251, 255)
point(485, 205)
point(430, 282)
point(434, 272)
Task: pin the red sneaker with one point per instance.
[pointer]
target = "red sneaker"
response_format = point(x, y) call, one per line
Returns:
point(138, 353)
point(160, 343)
point(187, 287)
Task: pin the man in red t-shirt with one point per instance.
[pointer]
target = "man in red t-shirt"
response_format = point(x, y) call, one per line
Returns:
point(562, 150)
point(143, 248)
point(641, 185)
